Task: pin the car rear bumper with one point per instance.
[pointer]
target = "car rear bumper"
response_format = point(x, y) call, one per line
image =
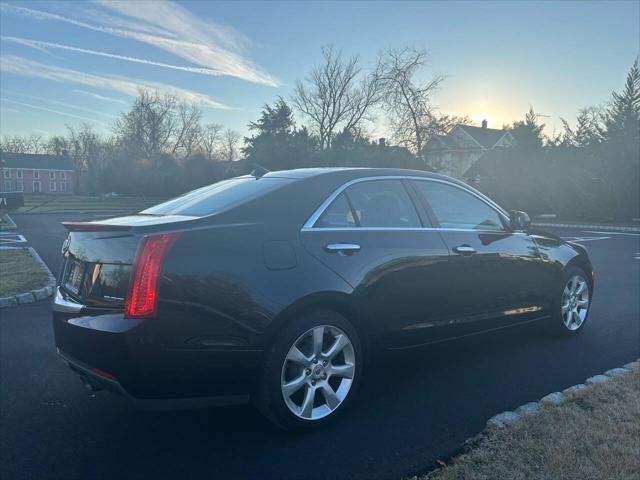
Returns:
point(130, 358)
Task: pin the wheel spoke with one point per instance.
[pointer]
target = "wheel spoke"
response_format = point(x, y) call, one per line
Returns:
point(330, 397)
point(297, 357)
point(294, 385)
point(307, 404)
point(345, 371)
point(570, 284)
point(318, 339)
point(340, 342)
point(580, 288)
point(575, 317)
point(583, 303)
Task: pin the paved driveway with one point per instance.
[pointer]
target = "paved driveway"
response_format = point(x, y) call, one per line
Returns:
point(413, 407)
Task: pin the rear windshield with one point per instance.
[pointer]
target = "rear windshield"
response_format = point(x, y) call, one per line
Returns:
point(217, 197)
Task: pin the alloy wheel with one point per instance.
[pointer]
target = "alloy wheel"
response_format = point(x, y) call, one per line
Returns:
point(318, 372)
point(575, 302)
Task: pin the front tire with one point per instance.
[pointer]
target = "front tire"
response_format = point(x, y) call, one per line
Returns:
point(311, 371)
point(573, 303)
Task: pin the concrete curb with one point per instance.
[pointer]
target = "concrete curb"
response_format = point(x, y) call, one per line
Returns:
point(11, 224)
point(503, 419)
point(32, 295)
point(613, 228)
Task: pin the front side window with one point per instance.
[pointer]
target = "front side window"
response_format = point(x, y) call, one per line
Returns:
point(36, 174)
point(456, 208)
point(63, 175)
point(52, 186)
point(7, 186)
point(18, 173)
point(52, 175)
point(36, 187)
point(7, 173)
point(63, 186)
point(19, 186)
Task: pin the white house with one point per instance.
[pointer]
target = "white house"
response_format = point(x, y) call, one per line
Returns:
point(454, 153)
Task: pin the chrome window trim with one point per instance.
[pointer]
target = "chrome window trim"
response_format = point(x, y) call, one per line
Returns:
point(309, 224)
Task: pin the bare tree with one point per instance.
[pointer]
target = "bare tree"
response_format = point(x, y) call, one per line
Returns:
point(210, 139)
point(35, 143)
point(336, 95)
point(14, 144)
point(188, 130)
point(148, 128)
point(57, 145)
point(407, 100)
point(230, 141)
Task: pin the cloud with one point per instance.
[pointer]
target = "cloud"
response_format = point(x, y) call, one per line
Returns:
point(62, 104)
point(54, 111)
point(97, 96)
point(43, 46)
point(204, 43)
point(30, 68)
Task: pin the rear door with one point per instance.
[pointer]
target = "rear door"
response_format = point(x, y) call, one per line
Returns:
point(496, 274)
point(374, 237)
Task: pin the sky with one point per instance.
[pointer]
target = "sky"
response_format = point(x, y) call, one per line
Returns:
point(63, 63)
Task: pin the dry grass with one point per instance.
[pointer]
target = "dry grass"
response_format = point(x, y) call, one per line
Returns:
point(594, 434)
point(19, 272)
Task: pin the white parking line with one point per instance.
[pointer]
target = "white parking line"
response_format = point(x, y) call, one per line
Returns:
point(585, 239)
point(613, 233)
point(11, 238)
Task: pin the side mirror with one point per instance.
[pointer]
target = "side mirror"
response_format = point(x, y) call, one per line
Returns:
point(519, 220)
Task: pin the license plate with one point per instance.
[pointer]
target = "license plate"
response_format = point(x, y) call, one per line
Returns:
point(75, 270)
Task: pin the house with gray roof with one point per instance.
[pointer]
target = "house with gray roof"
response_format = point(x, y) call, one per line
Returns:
point(457, 151)
point(36, 173)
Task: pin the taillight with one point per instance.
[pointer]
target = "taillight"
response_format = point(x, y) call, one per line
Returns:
point(142, 296)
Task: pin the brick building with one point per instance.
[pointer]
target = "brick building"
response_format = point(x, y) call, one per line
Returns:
point(36, 173)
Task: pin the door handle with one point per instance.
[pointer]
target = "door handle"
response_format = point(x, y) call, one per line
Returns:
point(464, 250)
point(346, 248)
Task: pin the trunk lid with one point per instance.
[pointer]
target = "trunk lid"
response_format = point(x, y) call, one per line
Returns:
point(98, 256)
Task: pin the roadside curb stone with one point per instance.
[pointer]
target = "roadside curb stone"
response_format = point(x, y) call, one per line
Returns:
point(614, 372)
point(503, 419)
point(596, 379)
point(33, 295)
point(555, 398)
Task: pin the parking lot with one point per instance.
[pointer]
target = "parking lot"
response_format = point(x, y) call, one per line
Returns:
point(414, 407)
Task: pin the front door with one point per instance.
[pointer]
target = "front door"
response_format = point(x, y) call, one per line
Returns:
point(496, 274)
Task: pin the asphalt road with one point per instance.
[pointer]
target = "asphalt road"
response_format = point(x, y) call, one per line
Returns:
point(413, 407)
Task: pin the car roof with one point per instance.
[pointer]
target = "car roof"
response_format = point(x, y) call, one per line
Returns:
point(348, 173)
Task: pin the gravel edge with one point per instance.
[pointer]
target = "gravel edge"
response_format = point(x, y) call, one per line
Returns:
point(32, 295)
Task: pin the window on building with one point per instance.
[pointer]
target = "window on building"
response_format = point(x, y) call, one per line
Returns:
point(7, 173)
point(7, 186)
point(63, 186)
point(52, 185)
point(36, 187)
point(52, 175)
point(63, 175)
point(19, 174)
point(19, 186)
point(36, 174)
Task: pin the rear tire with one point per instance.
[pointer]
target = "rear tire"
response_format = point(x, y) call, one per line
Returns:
point(311, 371)
point(572, 303)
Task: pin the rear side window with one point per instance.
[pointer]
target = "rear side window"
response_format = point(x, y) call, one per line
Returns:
point(217, 197)
point(455, 208)
point(383, 204)
point(338, 215)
